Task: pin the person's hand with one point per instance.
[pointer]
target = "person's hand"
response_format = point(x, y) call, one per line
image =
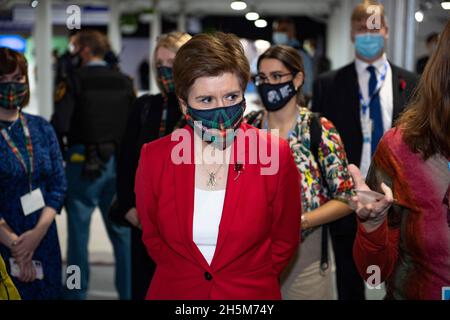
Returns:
point(23, 248)
point(374, 213)
point(132, 217)
point(27, 271)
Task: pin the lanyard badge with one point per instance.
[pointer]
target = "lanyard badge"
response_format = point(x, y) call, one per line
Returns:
point(366, 104)
point(33, 200)
point(366, 122)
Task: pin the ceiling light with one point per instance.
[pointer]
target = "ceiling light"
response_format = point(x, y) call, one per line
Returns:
point(252, 16)
point(238, 5)
point(261, 23)
point(419, 16)
point(445, 5)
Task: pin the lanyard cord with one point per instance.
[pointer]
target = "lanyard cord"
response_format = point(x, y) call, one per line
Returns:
point(27, 166)
point(365, 105)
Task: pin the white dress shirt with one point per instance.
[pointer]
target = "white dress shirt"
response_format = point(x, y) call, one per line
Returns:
point(386, 100)
point(208, 206)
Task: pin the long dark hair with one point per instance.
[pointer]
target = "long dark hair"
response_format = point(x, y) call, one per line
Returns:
point(291, 59)
point(426, 121)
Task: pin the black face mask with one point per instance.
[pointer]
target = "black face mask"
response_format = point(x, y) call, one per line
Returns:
point(276, 96)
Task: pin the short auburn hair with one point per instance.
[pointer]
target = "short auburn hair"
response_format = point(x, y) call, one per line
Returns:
point(209, 55)
point(363, 11)
point(10, 61)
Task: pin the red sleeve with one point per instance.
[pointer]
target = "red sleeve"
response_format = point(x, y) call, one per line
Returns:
point(287, 211)
point(146, 205)
point(379, 248)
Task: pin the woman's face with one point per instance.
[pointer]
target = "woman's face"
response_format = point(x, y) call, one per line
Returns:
point(164, 57)
point(213, 92)
point(273, 71)
point(16, 76)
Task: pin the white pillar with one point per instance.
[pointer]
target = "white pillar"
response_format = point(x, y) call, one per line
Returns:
point(181, 23)
point(155, 32)
point(410, 35)
point(43, 47)
point(398, 49)
point(339, 44)
point(114, 34)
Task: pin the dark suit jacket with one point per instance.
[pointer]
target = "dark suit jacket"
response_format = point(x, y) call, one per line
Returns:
point(336, 97)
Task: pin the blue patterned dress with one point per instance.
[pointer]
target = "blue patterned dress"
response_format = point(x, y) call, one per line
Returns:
point(49, 176)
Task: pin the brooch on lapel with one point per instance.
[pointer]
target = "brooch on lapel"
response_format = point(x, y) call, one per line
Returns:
point(238, 167)
point(402, 84)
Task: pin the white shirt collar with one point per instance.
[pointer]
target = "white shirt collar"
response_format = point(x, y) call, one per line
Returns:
point(361, 66)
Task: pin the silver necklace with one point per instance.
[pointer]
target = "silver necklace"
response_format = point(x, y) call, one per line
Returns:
point(211, 181)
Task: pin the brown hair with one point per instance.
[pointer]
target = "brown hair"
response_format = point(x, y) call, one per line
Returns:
point(291, 59)
point(172, 41)
point(361, 11)
point(10, 60)
point(94, 40)
point(209, 55)
point(426, 122)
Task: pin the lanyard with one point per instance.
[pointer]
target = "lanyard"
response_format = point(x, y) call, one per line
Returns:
point(366, 104)
point(28, 167)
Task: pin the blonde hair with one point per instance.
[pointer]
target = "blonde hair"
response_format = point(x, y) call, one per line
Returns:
point(172, 41)
point(362, 11)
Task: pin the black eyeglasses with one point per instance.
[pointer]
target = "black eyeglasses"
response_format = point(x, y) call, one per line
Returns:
point(273, 78)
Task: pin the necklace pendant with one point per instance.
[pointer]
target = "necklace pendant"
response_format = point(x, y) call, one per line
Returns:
point(211, 180)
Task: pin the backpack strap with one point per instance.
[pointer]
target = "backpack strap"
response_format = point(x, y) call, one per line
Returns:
point(315, 131)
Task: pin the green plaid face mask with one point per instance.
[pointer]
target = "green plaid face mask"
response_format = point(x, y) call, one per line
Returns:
point(12, 95)
point(221, 119)
point(165, 79)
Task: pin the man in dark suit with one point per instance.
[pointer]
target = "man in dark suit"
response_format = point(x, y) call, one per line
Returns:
point(363, 100)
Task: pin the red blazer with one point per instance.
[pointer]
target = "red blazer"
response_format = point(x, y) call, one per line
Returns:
point(258, 234)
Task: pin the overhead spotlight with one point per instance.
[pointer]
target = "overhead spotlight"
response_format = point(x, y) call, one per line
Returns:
point(445, 5)
point(238, 5)
point(34, 3)
point(419, 16)
point(252, 16)
point(261, 23)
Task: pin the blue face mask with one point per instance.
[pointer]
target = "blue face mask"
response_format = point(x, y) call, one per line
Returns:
point(369, 45)
point(280, 38)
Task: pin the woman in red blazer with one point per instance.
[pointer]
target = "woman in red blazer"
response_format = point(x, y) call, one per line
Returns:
point(222, 229)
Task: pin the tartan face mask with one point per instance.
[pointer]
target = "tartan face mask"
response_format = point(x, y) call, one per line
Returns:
point(165, 79)
point(12, 95)
point(217, 125)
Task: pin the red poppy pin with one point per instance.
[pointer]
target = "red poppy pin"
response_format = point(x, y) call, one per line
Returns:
point(402, 84)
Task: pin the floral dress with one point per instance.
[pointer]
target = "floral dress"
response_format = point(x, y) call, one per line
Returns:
point(48, 175)
point(304, 279)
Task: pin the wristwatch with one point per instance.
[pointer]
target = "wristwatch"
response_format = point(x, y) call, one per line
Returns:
point(304, 222)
